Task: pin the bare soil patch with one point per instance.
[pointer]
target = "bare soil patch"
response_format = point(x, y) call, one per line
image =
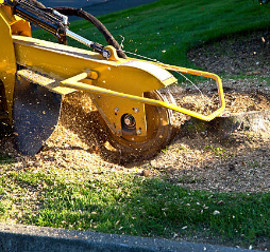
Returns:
point(247, 54)
point(201, 156)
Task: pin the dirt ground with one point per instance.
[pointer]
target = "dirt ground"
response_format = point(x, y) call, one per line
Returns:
point(247, 54)
point(218, 156)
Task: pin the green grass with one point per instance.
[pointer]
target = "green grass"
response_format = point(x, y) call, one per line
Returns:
point(128, 204)
point(167, 29)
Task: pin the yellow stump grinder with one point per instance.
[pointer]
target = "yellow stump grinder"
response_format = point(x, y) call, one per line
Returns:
point(36, 74)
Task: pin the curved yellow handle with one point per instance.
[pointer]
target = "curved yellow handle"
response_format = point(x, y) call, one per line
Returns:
point(75, 82)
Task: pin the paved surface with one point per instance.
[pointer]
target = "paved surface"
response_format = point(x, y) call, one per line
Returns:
point(20, 238)
point(114, 5)
point(97, 7)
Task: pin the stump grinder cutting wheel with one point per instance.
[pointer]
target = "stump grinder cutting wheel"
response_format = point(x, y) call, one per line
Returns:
point(36, 74)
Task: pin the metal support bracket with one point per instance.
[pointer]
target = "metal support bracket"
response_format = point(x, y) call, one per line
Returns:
point(75, 82)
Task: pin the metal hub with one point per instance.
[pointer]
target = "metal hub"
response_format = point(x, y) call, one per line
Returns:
point(129, 121)
point(159, 130)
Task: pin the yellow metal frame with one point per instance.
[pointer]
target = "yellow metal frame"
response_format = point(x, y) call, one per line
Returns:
point(75, 82)
point(7, 62)
point(201, 74)
point(123, 81)
point(9, 25)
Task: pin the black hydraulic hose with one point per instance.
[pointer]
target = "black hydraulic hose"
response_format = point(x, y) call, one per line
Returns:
point(69, 11)
point(46, 18)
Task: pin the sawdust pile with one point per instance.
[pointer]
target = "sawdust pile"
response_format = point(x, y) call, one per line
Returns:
point(195, 159)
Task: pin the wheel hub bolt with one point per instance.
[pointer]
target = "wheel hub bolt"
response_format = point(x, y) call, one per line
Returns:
point(129, 120)
point(139, 132)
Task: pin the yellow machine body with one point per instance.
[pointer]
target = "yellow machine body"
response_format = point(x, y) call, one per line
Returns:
point(129, 77)
point(117, 85)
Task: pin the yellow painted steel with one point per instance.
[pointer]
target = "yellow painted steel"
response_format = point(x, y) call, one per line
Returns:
point(75, 83)
point(66, 61)
point(7, 62)
point(9, 25)
point(122, 82)
point(17, 25)
point(202, 74)
point(117, 86)
point(125, 76)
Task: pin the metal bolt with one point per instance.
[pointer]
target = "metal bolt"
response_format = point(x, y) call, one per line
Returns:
point(128, 121)
point(139, 132)
point(116, 110)
point(136, 110)
point(106, 54)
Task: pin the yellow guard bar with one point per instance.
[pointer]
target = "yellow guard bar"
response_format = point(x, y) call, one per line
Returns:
point(74, 82)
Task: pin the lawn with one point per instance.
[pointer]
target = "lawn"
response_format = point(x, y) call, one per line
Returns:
point(131, 204)
point(166, 29)
point(128, 204)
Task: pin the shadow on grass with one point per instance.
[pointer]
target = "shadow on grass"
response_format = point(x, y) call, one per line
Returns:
point(6, 159)
point(5, 136)
point(151, 207)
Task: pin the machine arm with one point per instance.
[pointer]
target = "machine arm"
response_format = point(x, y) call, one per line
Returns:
point(51, 21)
